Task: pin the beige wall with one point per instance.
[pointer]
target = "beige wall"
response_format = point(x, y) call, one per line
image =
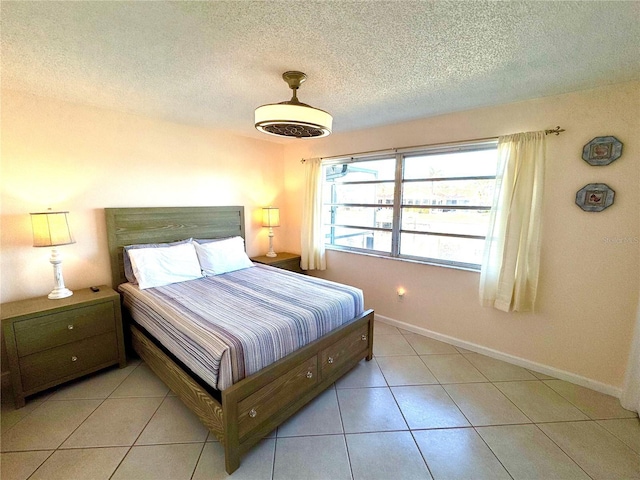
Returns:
point(590, 261)
point(83, 159)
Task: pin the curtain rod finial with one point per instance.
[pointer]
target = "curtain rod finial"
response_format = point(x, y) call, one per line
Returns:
point(556, 130)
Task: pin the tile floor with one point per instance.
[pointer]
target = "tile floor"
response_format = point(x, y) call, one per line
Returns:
point(421, 409)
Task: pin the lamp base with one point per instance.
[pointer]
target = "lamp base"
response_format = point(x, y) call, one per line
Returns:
point(58, 293)
point(271, 253)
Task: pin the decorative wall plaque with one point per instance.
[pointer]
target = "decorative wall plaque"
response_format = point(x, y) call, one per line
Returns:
point(602, 151)
point(595, 197)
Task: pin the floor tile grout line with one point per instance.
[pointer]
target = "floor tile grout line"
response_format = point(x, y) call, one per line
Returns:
point(424, 459)
point(94, 410)
point(275, 453)
point(615, 434)
point(151, 417)
point(120, 462)
point(586, 414)
point(588, 420)
point(56, 389)
point(511, 364)
point(56, 449)
point(100, 447)
point(429, 370)
point(538, 424)
point(519, 380)
point(23, 418)
point(94, 374)
point(410, 431)
point(346, 446)
point(449, 383)
point(39, 466)
point(141, 430)
point(344, 434)
point(492, 452)
point(568, 399)
point(273, 456)
point(475, 368)
point(563, 451)
point(399, 409)
point(512, 403)
point(542, 431)
point(81, 423)
point(427, 367)
point(195, 467)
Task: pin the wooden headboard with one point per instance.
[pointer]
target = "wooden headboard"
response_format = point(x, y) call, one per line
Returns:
point(128, 226)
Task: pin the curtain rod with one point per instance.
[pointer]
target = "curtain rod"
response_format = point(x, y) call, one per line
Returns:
point(556, 130)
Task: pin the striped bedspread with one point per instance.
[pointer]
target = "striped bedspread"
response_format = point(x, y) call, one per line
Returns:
point(229, 326)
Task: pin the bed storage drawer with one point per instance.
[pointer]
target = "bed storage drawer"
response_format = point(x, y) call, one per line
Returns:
point(261, 405)
point(344, 350)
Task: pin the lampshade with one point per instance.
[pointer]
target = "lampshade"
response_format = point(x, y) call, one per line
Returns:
point(51, 229)
point(270, 217)
point(293, 118)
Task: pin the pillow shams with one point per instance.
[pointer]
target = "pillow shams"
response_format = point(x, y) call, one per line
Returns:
point(128, 271)
point(223, 256)
point(155, 267)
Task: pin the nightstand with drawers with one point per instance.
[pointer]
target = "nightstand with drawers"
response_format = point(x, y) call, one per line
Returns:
point(53, 341)
point(284, 260)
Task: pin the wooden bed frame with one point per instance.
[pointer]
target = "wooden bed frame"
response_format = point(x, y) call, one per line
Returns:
point(249, 410)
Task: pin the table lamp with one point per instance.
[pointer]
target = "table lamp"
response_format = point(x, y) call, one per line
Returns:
point(51, 229)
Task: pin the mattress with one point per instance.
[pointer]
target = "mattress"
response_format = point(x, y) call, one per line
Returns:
point(229, 326)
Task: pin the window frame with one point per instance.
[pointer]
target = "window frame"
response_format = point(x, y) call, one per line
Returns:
point(399, 156)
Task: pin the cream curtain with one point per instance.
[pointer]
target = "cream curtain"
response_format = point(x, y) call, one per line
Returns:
point(311, 236)
point(631, 390)
point(509, 277)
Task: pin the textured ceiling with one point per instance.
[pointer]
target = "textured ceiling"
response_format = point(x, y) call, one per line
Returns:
point(368, 63)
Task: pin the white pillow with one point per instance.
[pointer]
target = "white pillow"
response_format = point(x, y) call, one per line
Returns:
point(221, 257)
point(154, 267)
point(128, 271)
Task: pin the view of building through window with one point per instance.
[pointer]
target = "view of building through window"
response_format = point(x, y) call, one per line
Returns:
point(429, 205)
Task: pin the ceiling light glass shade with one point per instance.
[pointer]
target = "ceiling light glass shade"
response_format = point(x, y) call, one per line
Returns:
point(293, 120)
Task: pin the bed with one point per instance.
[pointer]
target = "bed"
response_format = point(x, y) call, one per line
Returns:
point(242, 414)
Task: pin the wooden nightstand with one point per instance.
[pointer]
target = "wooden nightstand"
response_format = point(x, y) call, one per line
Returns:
point(52, 341)
point(284, 260)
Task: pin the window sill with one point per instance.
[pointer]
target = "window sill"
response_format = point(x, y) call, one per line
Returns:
point(402, 259)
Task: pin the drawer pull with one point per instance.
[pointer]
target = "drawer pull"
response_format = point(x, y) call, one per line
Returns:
point(330, 360)
point(253, 413)
point(70, 327)
point(363, 338)
point(74, 359)
point(309, 375)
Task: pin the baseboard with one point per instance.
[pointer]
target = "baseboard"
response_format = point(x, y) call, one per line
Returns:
point(521, 362)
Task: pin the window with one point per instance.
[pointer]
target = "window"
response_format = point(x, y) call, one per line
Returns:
point(429, 205)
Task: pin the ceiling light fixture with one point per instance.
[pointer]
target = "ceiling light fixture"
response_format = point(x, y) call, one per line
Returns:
point(293, 118)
